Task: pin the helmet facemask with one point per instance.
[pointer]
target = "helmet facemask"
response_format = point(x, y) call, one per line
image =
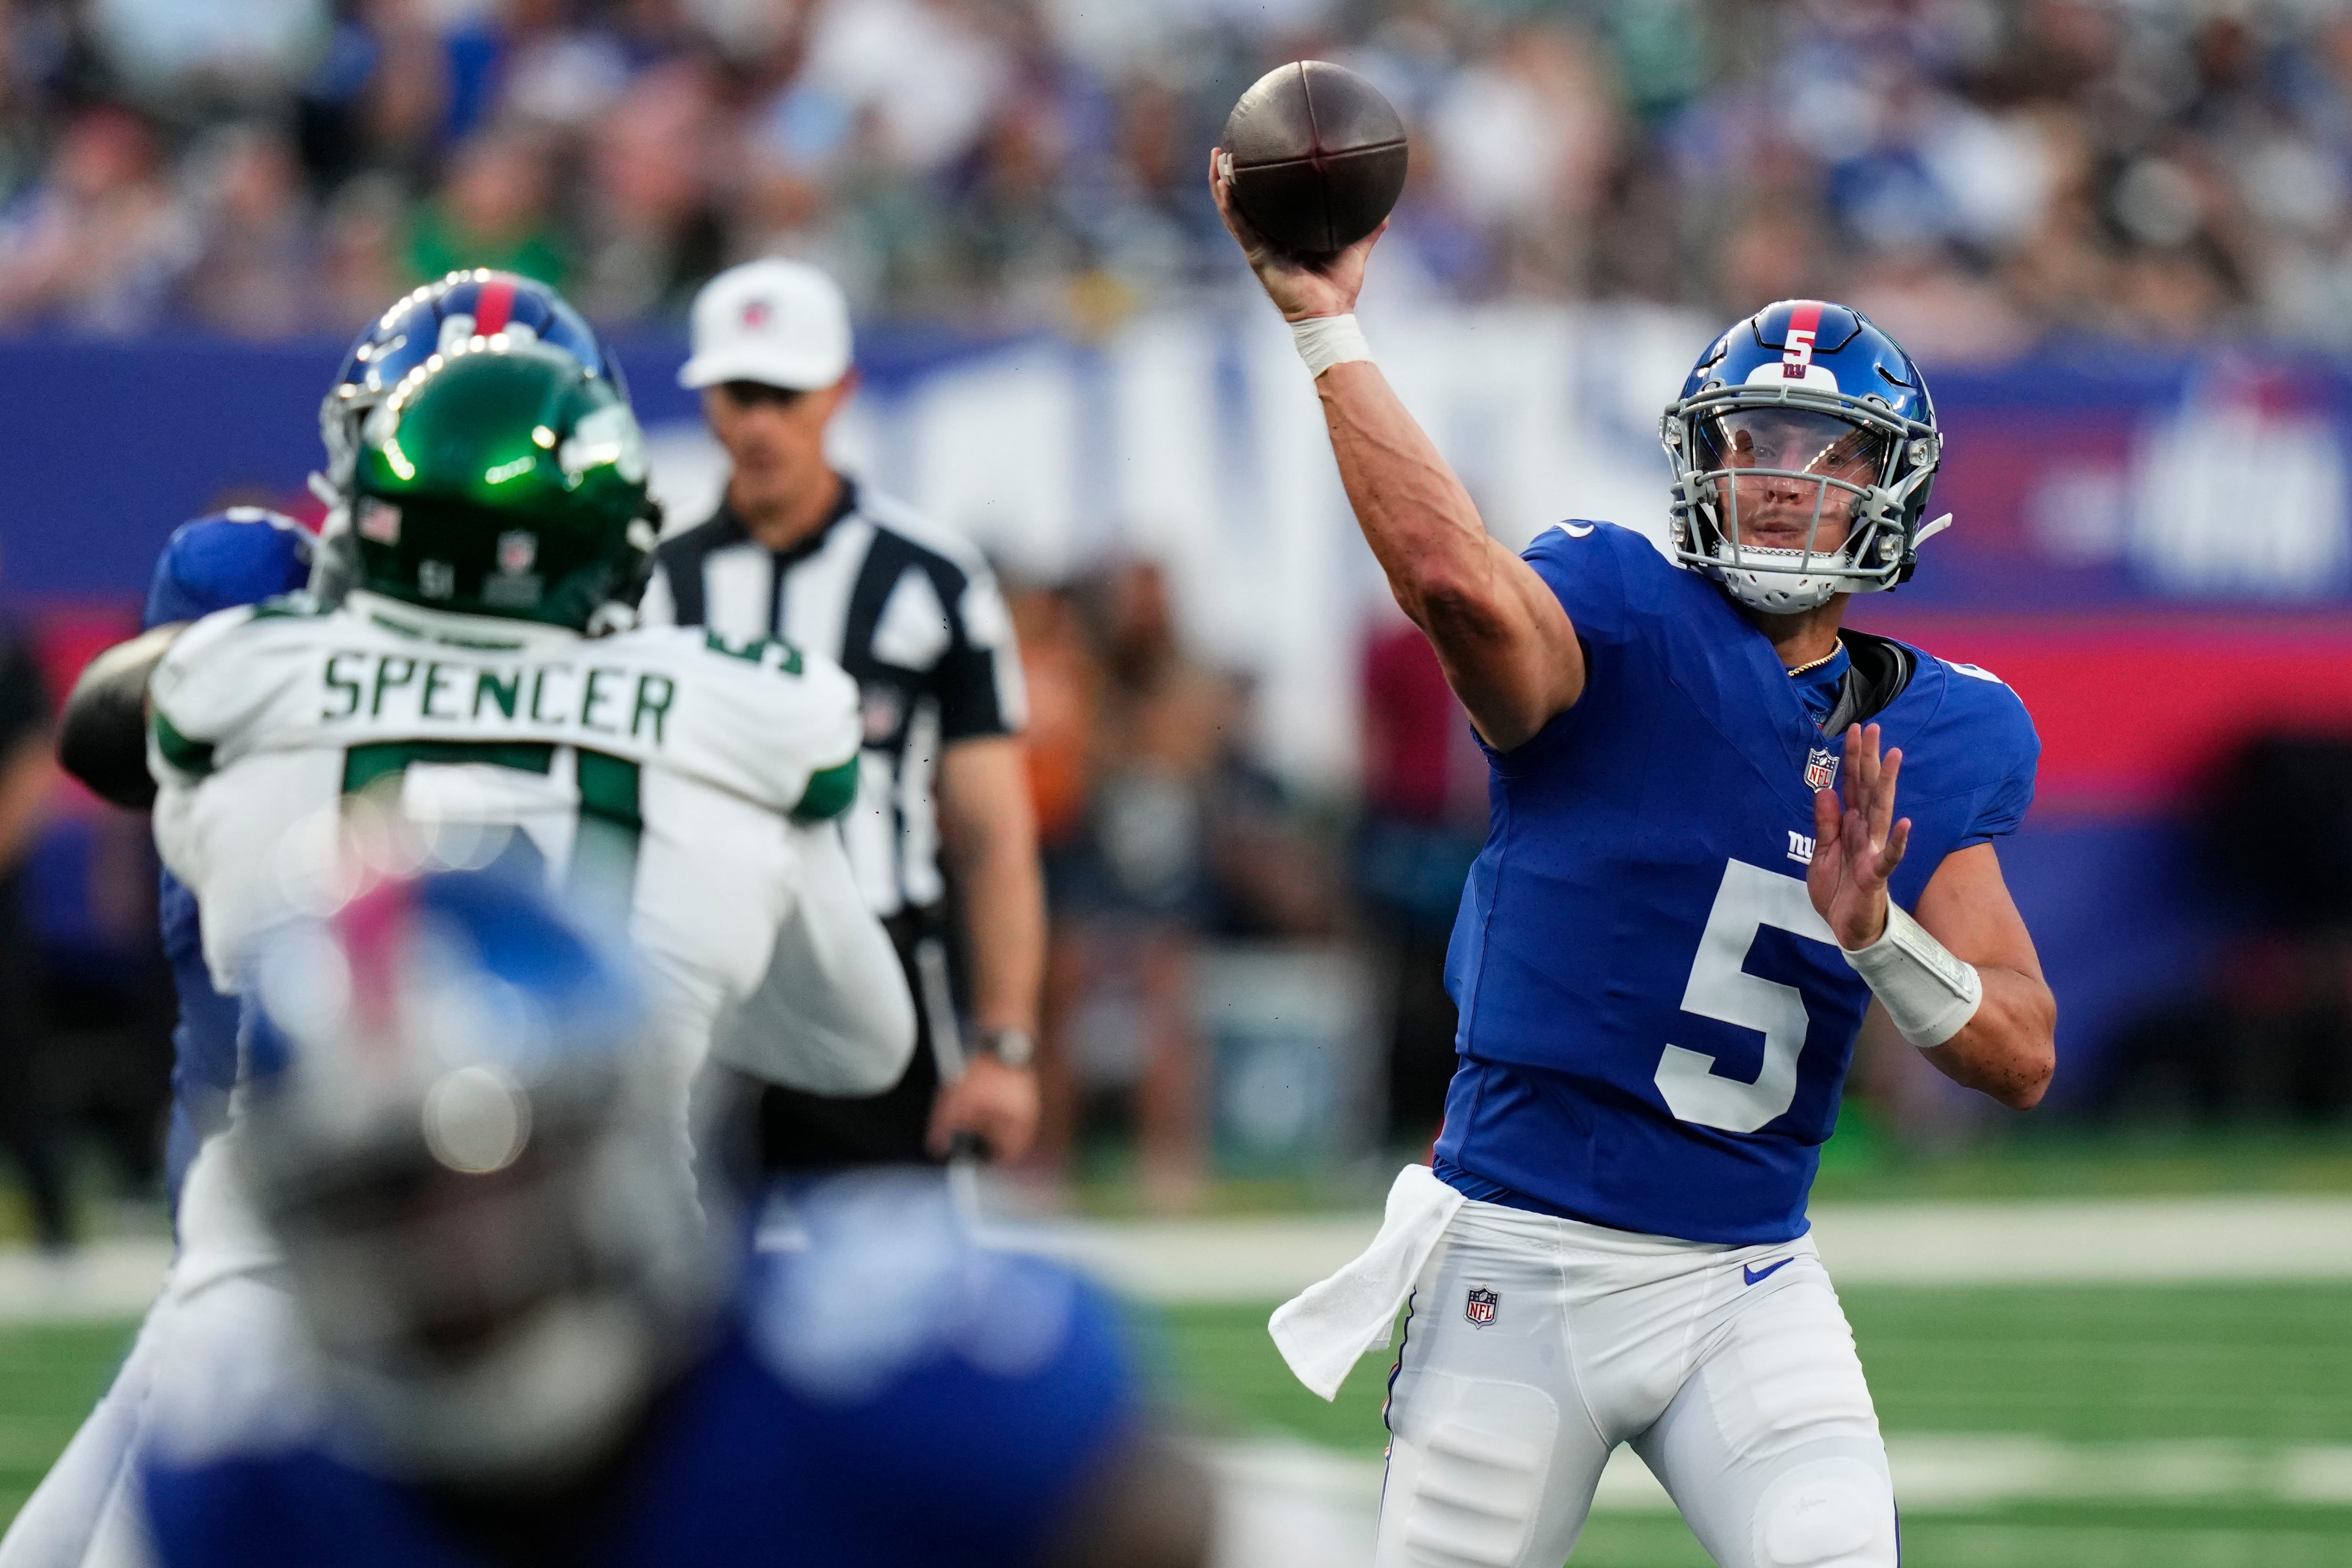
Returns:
point(478, 1174)
point(1789, 497)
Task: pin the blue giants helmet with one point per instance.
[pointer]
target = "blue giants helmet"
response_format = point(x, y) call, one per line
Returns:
point(432, 320)
point(1802, 447)
point(463, 1129)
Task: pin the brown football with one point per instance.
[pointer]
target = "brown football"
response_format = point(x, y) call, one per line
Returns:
point(1318, 155)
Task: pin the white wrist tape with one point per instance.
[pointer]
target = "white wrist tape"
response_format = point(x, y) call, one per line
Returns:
point(1929, 993)
point(1327, 341)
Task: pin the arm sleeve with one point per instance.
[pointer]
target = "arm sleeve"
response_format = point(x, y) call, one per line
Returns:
point(205, 688)
point(833, 1014)
point(978, 680)
point(2001, 807)
point(1586, 572)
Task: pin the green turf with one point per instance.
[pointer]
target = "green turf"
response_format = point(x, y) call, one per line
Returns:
point(50, 1376)
point(2086, 1363)
point(2247, 1363)
point(2048, 1536)
point(2027, 1157)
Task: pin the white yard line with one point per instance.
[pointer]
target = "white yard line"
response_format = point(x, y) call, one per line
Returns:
point(113, 1279)
point(1266, 1259)
point(1288, 1503)
point(2125, 1241)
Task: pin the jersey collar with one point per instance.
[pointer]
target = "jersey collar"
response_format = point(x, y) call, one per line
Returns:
point(804, 546)
point(447, 629)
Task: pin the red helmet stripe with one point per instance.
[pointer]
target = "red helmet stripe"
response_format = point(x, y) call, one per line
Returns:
point(1797, 340)
point(372, 929)
point(497, 304)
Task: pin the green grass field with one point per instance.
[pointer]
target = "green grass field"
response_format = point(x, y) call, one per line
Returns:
point(2238, 1377)
point(2241, 1376)
point(49, 1378)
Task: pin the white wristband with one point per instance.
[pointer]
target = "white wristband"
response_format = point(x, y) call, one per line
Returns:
point(1929, 993)
point(1327, 341)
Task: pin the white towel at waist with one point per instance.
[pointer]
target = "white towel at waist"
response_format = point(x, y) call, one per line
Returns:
point(1324, 1330)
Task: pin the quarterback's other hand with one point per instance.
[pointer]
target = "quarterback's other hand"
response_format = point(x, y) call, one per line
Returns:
point(1298, 292)
point(1857, 843)
point(994, 1101)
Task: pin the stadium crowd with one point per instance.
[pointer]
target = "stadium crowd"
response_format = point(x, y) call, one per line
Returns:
point(1976, 173)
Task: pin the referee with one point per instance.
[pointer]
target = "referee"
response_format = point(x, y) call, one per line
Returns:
point(800, 553)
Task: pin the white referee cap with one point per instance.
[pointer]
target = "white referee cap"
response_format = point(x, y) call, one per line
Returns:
point(778, 323)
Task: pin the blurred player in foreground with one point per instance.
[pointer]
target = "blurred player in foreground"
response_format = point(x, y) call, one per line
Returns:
point(453, 705)
point(1694, 885)
point(514, 1343)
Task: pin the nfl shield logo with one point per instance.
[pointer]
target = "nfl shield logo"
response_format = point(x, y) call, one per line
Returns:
point(1820, 767)
point(517, 551)
point(1480, 1308)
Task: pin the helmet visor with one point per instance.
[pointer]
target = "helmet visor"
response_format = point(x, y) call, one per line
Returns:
point(1789, 479)
point(1793, 441)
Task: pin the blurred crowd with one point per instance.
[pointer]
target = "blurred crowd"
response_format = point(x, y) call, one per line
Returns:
point(1978, 173)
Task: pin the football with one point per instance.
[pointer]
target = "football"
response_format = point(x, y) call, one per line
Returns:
point(1317, 154)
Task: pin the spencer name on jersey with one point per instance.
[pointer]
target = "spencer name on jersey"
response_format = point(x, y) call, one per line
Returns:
point(603, 700)
point(674, 783)
point(1655, 1023)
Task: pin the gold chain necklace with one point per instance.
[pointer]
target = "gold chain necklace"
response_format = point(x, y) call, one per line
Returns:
point(1816, 664)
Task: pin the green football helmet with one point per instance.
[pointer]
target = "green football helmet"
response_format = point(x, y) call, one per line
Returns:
point(500, 477)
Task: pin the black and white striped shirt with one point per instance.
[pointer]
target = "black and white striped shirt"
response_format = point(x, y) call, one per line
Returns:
point(911, 610)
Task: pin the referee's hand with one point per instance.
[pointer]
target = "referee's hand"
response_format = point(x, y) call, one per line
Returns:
point(995, 1103)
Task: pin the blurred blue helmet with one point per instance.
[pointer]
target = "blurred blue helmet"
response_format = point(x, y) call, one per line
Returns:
point(460, 1127)
point(433, 319)
point(1803, 447)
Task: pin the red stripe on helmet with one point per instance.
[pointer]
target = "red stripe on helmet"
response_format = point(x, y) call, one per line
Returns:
point(1797, 340)
point(372, 930)
point(496, 304)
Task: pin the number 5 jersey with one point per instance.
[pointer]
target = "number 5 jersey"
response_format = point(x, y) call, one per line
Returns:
point(678, 787)
point(1655, 1022)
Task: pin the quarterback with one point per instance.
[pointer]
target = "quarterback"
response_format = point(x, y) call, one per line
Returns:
point(444, 703)
point(1695, 882)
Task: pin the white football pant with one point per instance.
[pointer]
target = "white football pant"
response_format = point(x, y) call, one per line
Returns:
point(1730, 1370)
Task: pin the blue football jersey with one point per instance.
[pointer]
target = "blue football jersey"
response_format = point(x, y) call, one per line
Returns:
point(873, 1406)
point(241, 556)
point(1655, 1024)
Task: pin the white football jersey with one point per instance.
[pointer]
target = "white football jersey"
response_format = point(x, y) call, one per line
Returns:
point(677, 786)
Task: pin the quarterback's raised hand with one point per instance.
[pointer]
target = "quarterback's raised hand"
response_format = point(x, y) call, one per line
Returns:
point(1298, 292)
point(1857, 842)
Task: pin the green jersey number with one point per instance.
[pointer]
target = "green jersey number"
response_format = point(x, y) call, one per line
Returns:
point(603, 874)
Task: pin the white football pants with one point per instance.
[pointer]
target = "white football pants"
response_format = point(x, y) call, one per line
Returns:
point(1730, 1370)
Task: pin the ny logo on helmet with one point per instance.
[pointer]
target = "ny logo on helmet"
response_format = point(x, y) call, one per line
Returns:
point(1480, 1308)
point(1799, 357)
